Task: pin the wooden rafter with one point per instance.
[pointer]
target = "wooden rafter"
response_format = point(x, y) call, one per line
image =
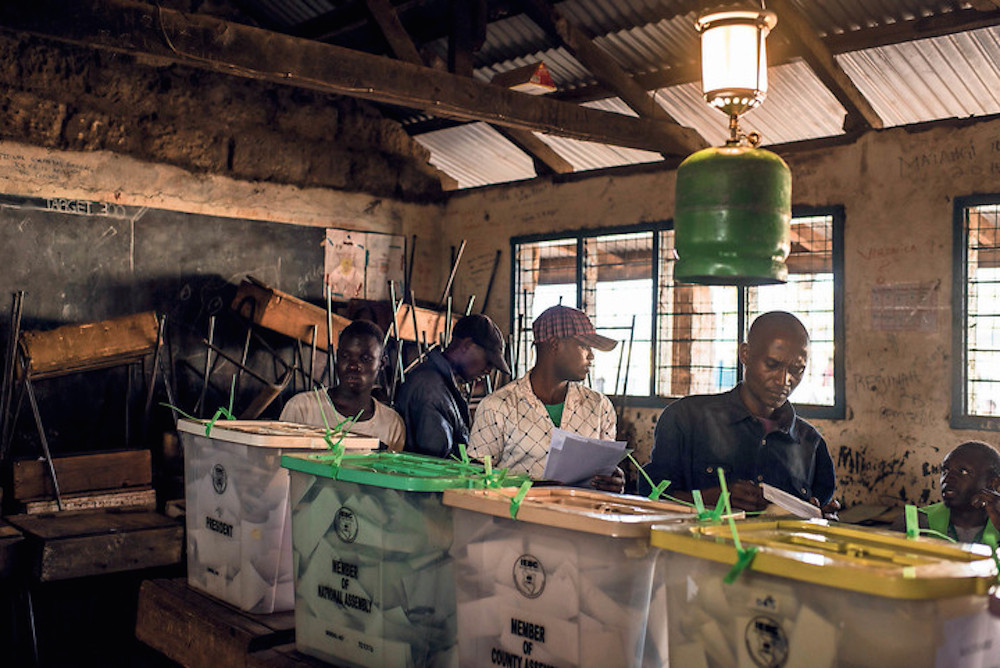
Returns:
point(545, 159)
point(541, 152)
point(392, 28)
point(778, 54)
point(797, 29)
point(205, 42)
point(595, 59)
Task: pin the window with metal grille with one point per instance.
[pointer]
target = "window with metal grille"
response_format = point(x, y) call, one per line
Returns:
point(679, 338)
point(976, 313)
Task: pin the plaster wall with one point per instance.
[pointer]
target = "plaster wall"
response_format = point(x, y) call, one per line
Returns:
point(103, 176)
point(897, 187)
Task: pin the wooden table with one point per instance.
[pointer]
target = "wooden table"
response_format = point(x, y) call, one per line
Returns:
point(200, 631)
point(73, 544)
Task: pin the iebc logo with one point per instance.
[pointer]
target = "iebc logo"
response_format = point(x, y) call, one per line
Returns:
point(219, 479)
point(529, 576)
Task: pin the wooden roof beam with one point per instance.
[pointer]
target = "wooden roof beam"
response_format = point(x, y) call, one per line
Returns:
point(392, 29)
point(546, 160)
point(204, 42)
point(796, 29)
point(599, 62)
point(779, 54)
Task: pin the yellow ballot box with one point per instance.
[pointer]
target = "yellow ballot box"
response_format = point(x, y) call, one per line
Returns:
point(820, 595)
point(566, 583)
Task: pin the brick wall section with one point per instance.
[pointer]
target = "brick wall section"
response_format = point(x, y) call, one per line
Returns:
point(67, 97)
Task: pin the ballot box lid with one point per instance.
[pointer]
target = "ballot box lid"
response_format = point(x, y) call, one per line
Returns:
point(588, 511)
point(273, 434)
point(399, 470)
point(861, 559)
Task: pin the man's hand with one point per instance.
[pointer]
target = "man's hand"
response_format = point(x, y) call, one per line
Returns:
point(988, 500)
point(610, 483)
point(743, 495)
point(829, 510)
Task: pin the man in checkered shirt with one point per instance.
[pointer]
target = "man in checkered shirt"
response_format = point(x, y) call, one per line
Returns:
point(514, 424)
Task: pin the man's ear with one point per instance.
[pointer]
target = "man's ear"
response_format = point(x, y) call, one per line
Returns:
point(743, 352)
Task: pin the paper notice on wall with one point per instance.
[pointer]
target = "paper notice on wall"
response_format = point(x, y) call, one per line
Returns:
point(359, 265)
point(905, 307)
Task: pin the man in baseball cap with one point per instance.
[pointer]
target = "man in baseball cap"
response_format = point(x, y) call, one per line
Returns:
point(563, 322)
point(435, 412)
point(514, 424)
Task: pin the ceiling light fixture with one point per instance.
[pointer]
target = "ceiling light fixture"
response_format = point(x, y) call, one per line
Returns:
point(732, 210)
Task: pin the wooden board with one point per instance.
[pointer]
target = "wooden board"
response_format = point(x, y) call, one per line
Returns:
point(92, 345)
point(142, 498)
point(430, 324)
point(198, 631)
point(78, 544)
point(82, 473)
point(285, 314)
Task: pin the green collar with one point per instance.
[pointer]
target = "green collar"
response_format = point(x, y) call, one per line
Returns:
point(939, 519)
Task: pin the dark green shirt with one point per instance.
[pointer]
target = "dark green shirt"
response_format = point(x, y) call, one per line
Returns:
point(555, 412)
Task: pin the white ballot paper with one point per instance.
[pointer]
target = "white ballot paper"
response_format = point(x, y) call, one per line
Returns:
point(575, 459)
point(792, 504)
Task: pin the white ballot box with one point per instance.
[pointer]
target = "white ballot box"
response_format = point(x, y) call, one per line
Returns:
point(820, 595)
point(374, 585)
point(567, 583)
point(238, 521)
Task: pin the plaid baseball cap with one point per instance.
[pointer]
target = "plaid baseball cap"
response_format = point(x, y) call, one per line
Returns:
point(563, 322)
point(484, 334)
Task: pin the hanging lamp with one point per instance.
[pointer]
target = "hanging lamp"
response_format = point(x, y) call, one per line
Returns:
point(732, 220)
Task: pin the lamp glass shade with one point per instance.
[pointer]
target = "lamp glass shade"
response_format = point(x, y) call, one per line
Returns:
point(734, 58)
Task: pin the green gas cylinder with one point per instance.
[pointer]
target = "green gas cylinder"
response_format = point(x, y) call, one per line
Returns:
point(732, 217)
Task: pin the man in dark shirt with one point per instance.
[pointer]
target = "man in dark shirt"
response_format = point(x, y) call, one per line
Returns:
point(751, 432)
point(434, 411)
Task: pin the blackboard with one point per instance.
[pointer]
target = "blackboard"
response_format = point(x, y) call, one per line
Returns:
point(81, 261)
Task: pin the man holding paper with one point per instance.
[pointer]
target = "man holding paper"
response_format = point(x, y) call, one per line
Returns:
point(515, 424)
point(751, 432)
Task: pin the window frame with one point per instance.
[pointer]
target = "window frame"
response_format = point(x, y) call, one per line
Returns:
point(960, 417)
point(833, 412)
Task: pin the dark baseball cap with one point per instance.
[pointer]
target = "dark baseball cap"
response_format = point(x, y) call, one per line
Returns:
point(484, 334)
point(563, 322)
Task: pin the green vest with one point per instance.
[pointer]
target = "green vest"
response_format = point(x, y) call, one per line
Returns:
point(939, 519)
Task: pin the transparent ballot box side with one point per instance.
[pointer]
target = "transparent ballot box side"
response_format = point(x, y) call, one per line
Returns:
point(237, 511)
point(374, 580)
point(821, 595)
point(567, 583)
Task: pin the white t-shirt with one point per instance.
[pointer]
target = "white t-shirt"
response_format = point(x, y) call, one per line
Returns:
point(385, 425)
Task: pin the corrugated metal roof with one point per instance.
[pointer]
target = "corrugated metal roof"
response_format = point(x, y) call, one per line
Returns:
point(567, 72)
point(797, 107)
point(846, 16)
point(584, 155)
point(476, 155)
point(957, 75)
point(953, 76)
point(290, 13)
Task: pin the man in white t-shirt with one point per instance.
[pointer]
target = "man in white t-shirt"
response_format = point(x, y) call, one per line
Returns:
point(359, 359)
point(514, 424)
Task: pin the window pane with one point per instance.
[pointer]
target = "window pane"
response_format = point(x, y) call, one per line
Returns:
point(544, 276)
point(809, 295)
point(698, 337)
point(983, 311)
point(617, 294)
